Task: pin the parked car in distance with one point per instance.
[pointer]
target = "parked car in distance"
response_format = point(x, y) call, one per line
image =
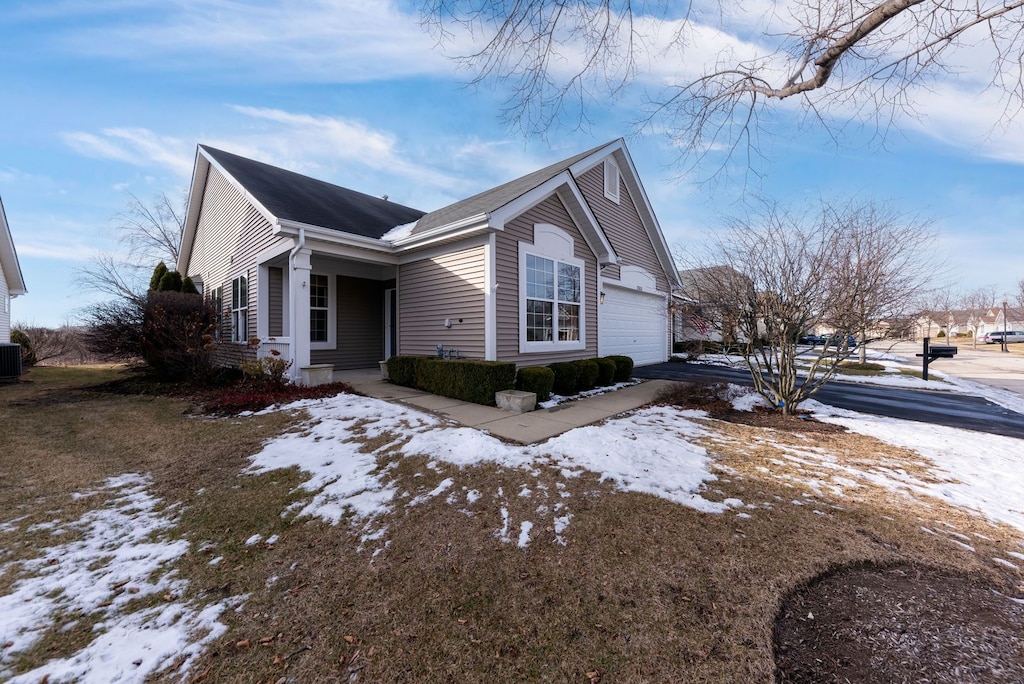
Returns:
point(837, 341)
point(813, 340)
point(1011, 336)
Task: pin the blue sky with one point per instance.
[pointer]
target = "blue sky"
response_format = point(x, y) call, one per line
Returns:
point(103, 99)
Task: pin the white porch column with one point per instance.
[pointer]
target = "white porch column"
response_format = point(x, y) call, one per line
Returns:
point(298, 289)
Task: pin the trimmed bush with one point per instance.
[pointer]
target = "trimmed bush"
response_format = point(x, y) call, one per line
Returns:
point(565, 378)
point(623, 367)
point(605, 372)
point(402, 369)
point(586, 374)
point(536, 379)
point(465, 379)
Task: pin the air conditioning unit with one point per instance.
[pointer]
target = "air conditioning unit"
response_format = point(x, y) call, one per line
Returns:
point(10, 362)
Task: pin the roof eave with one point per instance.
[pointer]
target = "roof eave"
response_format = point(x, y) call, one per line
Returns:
point(9, 258)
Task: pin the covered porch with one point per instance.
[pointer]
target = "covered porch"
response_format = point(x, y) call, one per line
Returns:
point(325, 310)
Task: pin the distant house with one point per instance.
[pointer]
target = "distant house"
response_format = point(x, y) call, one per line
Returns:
point(1014, 319)
point(12, 283)
point(702, 310)
point(566, 262)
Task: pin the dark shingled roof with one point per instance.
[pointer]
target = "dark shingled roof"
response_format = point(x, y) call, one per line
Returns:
point(495, 198)
point(292, 196)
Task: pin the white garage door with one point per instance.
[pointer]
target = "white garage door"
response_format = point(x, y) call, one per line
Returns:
point(633, 323)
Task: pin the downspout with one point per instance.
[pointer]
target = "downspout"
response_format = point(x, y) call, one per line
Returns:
point(299, 246)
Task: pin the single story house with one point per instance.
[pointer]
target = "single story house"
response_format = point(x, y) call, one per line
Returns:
point(12, 282)
point(563, 263)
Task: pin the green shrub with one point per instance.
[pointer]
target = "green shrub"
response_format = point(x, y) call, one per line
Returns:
point(28, 355)
point(536, 379)
point(605, 372)
point(942, 333)
point(565, 378)
point(268, 370)
point(402, 369)
point(623, 367)
point(465, 379)
point(586, 374)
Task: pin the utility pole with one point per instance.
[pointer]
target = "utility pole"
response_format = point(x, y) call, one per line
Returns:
point(1004, 327)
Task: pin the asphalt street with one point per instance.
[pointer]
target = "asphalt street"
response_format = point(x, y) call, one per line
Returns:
point(939, 408)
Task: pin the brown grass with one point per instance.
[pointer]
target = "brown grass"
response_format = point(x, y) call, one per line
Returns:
point(643, 591)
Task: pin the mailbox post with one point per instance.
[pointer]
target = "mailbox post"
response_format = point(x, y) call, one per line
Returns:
point(934, 352)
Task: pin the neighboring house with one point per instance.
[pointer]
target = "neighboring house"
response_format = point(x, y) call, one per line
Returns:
point(1014, 319)
point(702, 308)
point(12, 283)
point(566, 262)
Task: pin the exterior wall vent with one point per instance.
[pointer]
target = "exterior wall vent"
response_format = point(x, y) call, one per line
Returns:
point(10, 362)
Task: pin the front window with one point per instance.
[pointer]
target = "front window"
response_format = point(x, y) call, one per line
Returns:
point(553, 300)
point(319, 289)
point(240, 309)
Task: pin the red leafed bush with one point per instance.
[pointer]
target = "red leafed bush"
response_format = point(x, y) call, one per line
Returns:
point(249, 397)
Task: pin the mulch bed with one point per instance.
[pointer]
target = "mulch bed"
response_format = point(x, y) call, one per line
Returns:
point(768, 418)
point(898, 624)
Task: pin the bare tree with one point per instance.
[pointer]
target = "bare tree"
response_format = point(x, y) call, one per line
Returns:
point(50, 344)
point(784, 262)
point(977, 303)
point(1020, 294)
point(886, 263)
point(148, 234)
point(863, 57)
point(785, 272)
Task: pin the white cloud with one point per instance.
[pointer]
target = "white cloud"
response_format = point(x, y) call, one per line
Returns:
point(136, 146)
point(320, 41)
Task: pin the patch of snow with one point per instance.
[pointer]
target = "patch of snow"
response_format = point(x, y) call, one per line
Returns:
point(253, 540)
point(557, 399)
point(524, 533)
point(121, 556)
point(967, 469)
point(1006, 563)
point(398, 232)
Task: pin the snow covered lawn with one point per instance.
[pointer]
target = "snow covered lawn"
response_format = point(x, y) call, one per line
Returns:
point(112, 572)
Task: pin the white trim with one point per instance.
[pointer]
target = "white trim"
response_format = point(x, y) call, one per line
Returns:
point(332, 308)
point(9, 265)
point(262, 300)
point(548, 237)
point(389, 351)
point(479, 240)
point(490, 299)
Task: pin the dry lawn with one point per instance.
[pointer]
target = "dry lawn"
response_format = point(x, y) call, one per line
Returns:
point(643, 590)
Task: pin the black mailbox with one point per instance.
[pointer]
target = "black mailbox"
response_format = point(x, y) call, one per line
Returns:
point(934, 352)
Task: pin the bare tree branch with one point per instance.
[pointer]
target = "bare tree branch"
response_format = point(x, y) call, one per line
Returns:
point(855, 58)
point(149, 233)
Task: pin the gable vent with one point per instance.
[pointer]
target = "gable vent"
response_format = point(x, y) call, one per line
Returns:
point(611, 180)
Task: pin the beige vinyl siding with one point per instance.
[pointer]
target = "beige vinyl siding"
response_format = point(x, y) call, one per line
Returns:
point(450, 286)
point(230, 234)
point(275, 307)
point(519, 230)
point(360, 325)
point(622, 225)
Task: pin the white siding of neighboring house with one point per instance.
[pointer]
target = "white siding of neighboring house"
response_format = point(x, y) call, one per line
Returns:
point(445, 287)
point(230, 234)
point(5, 308)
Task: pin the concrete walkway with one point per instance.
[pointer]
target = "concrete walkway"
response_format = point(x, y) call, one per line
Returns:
point(525, 428)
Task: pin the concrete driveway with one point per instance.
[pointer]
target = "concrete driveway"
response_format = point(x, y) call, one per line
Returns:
point(987, 364)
